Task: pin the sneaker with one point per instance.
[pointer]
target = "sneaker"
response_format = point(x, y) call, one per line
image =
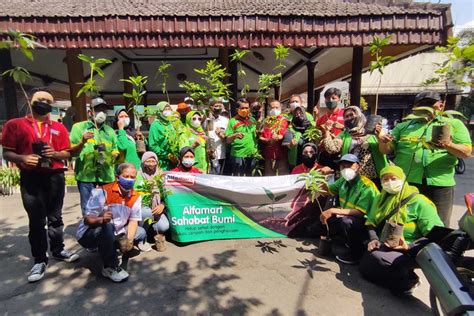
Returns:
point(411, 290)
point(347, 259)
point(144, 247)
point(37, 272)
point(65, 255)
point(116, 274)
point(160, 242)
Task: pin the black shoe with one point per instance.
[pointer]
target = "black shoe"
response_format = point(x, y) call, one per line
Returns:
point(348, 258)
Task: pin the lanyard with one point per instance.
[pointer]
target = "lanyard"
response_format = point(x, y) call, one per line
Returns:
point(45, 131)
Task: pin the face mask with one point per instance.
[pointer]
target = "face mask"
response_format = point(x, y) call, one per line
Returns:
point(100, 117)
point(275, 112)
point(244, 113)
point(217, 111)
point(126, 121)
point(188, 162)
point(195, 123)
point(167, 113)
point(331, 104)
point(308, 161)
point(348, 174)
point(41, 108)
point(293, 105)
point(350, 123)
point(393, 187)
point(126, 184)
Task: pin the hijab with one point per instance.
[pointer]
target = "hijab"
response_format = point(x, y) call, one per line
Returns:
point(195, 130)
point(360, 120)
point(386, 202)
point(147, 155)
point(160, 107)
point(129, 129)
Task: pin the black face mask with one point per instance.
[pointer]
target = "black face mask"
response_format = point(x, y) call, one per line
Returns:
point(300, 122)
point(41, 108)
point(308, 161)
point(350, 123)
point(217, 111)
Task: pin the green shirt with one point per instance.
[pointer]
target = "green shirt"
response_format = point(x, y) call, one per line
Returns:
point(293, 150)
point(91, 165)
point(128, 149)
point(418, 162)
point(420, 218)
point(162, 139)
point(246, 146)
point(359, 195)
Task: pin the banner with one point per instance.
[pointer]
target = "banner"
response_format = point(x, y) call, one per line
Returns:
point(207, 207)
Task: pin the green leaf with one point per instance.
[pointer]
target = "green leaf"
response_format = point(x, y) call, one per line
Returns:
point(452, 113)
point(279, 197)
point(85, 58)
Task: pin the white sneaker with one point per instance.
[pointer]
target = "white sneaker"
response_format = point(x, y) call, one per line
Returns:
point(115, 274)
point(144, 247)
point(37, 272)
point(67, 256)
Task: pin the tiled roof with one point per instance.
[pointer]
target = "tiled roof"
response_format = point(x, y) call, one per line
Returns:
point(320, 8)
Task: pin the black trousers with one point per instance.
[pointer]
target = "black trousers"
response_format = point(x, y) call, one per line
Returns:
point(43, 195)
point(442, 197)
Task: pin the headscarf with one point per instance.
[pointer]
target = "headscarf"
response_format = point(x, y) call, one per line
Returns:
point(298, 123)
point(359, 129)
point(386, 202)
point(195, 130)
point(129, 129)
point(147, 155)
point(312, 145)
point(160, 107)
point(184, 150)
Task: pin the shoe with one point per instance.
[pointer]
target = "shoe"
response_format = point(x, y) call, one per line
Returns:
point(66, 256)
point(116, 274)
point(347, 259)
point(144, 247)
point(160, 242)
point(37, 272)
point(92, 250)
point(411, 290)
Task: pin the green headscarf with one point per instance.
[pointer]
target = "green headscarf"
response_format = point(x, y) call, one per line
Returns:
point(189, 117)
point(386, 202)
point(161, 107)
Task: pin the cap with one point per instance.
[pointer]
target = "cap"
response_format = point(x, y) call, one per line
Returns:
point(189, 100)
point(97, 101)
point(183, 106)
point(348, 158)
point(427, 95)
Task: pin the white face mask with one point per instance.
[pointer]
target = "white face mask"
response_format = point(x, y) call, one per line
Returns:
point(348, 174)
point(393, 186)
point(293, 105)
point(195, 124)
point(126, 121)
point(100, 117)
point(167, 113)
point(188, 162)
point(275, 112)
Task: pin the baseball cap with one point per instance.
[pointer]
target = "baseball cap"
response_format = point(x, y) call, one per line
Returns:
point(97, 101)
point(427, 95)
point(348, 158)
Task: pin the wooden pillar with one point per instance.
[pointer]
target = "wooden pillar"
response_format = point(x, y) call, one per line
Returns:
point(310, 66)
point(233, 79)
point(276, 91)
point(9, 88)
point(127, 70)
point(356, 78)
point(75, 76)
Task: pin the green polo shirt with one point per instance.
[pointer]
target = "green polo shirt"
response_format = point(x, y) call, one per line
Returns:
point(246, 146)
point(87, 167)
point(128, 149)
point(359, 195)
point(418, 162)
point(421, 216)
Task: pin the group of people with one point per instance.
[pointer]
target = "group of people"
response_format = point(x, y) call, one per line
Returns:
point(114, 166)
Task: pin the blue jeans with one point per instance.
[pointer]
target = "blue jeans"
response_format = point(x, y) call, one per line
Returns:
point(85, 192)
point(217, 166)
point(103, 237)
point(242, 166)
point(162, 224)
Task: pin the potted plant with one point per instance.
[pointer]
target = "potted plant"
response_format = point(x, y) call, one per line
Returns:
point(9, 180)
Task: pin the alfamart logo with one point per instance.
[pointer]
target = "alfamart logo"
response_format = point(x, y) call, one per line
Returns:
point(179, 179)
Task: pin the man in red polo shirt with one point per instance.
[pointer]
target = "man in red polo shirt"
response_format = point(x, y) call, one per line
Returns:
point(38, 147)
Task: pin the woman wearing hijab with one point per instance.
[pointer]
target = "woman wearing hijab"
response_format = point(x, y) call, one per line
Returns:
point(391, 265)
point(162, 136)
point(354, 140)
point(126, 136)
point(299, 124)
point(152, 205)
point(309, 161)
point(186, 161)
point(195, 137)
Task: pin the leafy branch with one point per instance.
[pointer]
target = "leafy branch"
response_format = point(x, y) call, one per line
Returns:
point(213, 76)
point(162, 72)
point(237, 57)
point(265, 83)
point(315, 183)
point(281, 53)
point(375, 47)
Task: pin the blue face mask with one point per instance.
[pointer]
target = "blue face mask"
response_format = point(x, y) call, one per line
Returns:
point(126, 184)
